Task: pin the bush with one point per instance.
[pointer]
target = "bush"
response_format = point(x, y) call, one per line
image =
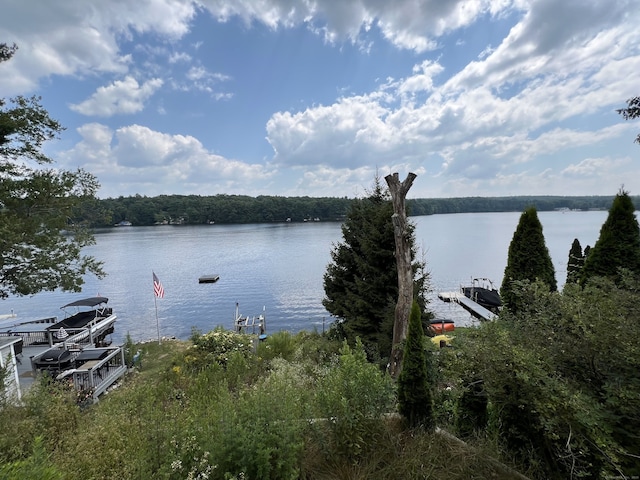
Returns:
point(415, 400)
point(37, 466)
point(259, 434)
point(218, 346)
point(352, 397)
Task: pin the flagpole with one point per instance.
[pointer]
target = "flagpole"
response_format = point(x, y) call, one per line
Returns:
point(155, 301)
point(158, 291)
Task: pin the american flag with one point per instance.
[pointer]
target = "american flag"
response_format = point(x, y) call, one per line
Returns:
point(158, 289)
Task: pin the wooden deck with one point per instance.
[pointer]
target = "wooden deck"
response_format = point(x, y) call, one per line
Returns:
point(94, 376)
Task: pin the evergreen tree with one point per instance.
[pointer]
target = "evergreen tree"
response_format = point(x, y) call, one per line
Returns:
point(528, 258)
point(575, 263)
point(415, 400)
point(618, 245)
point(38, 204)
point(360, 283)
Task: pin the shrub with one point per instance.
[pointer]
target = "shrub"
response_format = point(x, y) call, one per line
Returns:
point(280, 344)
point(218, 346)
point(259, 434)
point(37, 466)
point(352, 397)
point(415, 399)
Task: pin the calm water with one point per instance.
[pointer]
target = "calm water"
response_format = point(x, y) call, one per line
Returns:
point(280, 268)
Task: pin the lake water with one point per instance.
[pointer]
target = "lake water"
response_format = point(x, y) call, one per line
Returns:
point(279, 268)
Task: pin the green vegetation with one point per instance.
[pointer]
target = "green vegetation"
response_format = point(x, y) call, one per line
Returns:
point(632, 111)
point(221, 209)
point(40, 207)
point(225, 209)
point(575, 262)
point(618, 245)
point(552, 390)
point(415, 399)
point(561, 379)
point(528, 259)
point(317, 409)
point(361, 282)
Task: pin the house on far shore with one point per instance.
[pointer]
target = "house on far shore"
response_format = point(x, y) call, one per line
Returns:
point(10, 348)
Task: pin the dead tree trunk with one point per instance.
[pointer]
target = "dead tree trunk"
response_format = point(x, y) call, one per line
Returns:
point(403, 260)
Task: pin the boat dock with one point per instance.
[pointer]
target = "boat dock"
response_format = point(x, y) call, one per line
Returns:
point(476, 310)
point(75, 350)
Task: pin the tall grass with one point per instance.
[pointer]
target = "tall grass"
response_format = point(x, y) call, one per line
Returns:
point(293, 406)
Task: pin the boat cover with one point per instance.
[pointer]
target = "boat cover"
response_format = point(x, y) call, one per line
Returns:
point(87, 302)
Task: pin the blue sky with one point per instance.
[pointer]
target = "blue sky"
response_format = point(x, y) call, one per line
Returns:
point(291, 98)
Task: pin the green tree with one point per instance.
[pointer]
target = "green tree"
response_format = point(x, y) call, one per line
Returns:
point(528, 258)
point(415, 400)
point(361, 283)
point(575, 262)
point(632, 111)
point(40, 239)
point(561, 376)
point(618, 245)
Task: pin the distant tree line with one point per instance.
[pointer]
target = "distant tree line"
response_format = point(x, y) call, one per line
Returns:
point(431, 206)
point(200, 210)
point(225, 209)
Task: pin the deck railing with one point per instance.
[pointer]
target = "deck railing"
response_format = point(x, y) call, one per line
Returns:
point(94, 377)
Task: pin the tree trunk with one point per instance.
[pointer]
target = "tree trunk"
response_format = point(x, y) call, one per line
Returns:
point(403, 260)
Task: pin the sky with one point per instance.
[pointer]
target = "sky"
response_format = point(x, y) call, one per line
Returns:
point(318, 97)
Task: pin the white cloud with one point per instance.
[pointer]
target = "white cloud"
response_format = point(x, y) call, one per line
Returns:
point(524, 101)
point(594, 167)
point(544, 93)
point(81, 36)
point(136, 158)
point(409, 24)
point(121, 97)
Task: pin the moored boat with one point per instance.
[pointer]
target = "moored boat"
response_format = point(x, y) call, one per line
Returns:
point(483, 292)
point(62, 348)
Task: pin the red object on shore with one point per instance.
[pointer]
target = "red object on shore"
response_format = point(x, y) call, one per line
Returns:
point(441, 326)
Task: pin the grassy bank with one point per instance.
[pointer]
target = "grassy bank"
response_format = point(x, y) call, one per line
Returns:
point(218, 407)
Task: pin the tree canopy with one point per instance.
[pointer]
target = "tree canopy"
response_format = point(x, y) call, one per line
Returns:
point(632, 111)
point(528, 258)
point(575, 262)
point(561, 378)
point(360, 283)
point(224, 208)
point(41, 236)
point(618, 245)
point(415, 399)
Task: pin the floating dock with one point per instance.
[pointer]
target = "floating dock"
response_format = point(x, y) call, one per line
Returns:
point(476, 310)
point(209, 278)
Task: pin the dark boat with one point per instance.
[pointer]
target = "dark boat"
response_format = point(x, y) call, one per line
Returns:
point(54, 361)
point(484, 294)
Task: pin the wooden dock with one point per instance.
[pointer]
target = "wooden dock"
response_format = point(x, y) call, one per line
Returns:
point(476, 310)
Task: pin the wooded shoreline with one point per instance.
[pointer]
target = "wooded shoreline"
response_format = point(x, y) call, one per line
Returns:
point(235, 209)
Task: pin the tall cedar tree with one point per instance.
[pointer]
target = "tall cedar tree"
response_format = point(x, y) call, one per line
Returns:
point(360, 283)
point(415, 400)
point(618, 245)
point(528, 258)
point(38, 204)
point(575, 262)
